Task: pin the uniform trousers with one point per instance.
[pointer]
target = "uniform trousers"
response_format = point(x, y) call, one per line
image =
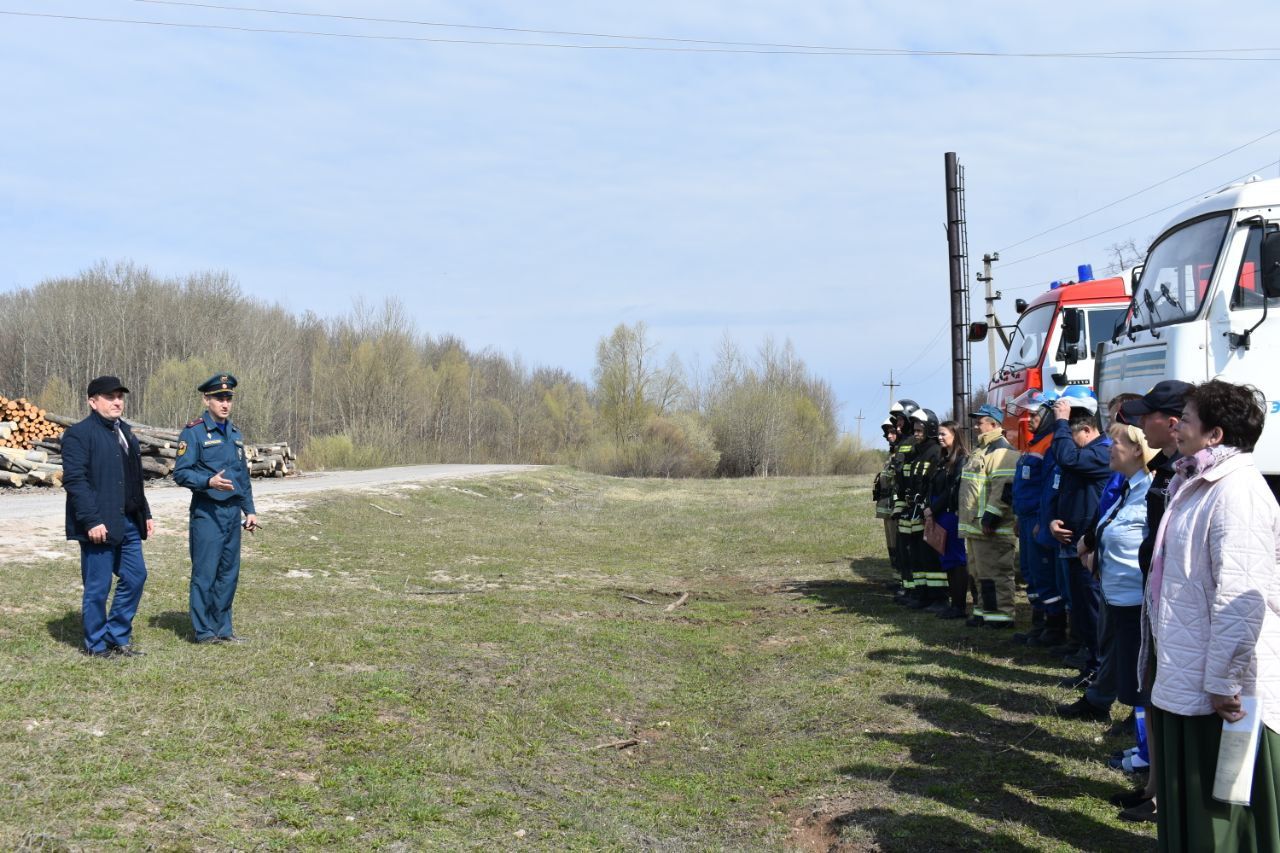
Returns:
point(214, 538)
point(1086, 599)
point(991, 566)
point(1038, 570)
point(98, 565)
point(891, 540)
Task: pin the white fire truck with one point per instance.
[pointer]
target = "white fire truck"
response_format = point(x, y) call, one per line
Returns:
point(1200, 307)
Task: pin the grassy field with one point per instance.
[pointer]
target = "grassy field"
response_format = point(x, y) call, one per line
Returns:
point(469, 671)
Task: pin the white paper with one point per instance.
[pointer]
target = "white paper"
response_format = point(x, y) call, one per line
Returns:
point(1237, 753)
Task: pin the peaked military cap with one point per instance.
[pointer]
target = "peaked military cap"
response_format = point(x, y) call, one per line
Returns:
point(218, 383)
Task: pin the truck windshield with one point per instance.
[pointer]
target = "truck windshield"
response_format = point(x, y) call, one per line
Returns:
point(1028, 337)
point(1177, 273)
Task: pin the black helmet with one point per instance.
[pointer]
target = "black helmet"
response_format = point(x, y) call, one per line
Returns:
point(903, 409)
point(928, 419)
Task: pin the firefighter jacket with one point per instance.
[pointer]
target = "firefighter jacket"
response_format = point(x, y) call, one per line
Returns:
point(919, 476)
point(901, 461)
point(882, 489)
point(986, 487)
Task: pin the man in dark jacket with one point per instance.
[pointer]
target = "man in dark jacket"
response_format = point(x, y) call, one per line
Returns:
point(108, 514)
point(1158, 413)
point(1083, 457)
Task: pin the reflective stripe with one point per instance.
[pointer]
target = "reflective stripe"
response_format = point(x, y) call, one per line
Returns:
point(997, 617)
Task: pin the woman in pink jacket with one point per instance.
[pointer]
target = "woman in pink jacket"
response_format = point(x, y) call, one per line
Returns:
point(1211, 620)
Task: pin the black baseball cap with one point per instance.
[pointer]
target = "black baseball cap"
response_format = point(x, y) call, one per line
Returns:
point(1167, 396)
point(105, 385)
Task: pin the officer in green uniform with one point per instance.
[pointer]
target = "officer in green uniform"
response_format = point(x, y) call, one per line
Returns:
point(211, 463)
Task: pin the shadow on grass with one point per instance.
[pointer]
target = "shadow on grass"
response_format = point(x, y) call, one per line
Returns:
point(980, 764)
point(177, 621)
point(67, 629)
point(922, 833)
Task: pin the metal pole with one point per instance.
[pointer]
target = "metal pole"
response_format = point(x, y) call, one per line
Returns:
point(959, 290)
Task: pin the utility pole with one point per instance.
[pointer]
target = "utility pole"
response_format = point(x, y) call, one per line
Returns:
point(958, 275)
point(859, 419)
point(891, 385)
point(992, 324)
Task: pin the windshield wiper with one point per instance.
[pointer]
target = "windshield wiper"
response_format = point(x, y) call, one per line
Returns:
point(1168, 297)
point(1152, 311)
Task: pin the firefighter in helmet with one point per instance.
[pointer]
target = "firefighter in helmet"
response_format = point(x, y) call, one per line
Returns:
point(929, 581)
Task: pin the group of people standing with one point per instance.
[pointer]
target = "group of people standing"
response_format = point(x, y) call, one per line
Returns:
point(1149, 554)
point(109, 515)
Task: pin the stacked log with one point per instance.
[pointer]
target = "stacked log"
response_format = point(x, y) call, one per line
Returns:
point(22, 423)
point(39, 461)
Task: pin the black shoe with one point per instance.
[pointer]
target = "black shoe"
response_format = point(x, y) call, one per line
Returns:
point(951, 613)
point(1078, 681)
point(1081, 659)
point(974, 621)
point(1068, 648)
point(1129, 799)
point(128, 650)
point(1048, 640)
point(1143, 812)
point(1001, 625)
point(936, 607)
point(101, 653)
point(207, 641)
point(917, 604)
point(1082, 709)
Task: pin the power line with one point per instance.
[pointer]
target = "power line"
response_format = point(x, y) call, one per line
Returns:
point(1141, 191)
point(1164, 56)
point(928, 346)
point(1188, 200)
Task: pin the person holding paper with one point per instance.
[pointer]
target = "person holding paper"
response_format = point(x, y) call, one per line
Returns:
point(1211, 626)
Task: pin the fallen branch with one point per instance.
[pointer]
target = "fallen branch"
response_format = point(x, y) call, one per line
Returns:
point(631, 597)
point(618, 744)
point(684, 596)
point(387, 511)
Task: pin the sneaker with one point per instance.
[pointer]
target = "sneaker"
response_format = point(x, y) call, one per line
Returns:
point(1121, 753)
point(1079, 681)
point(951, 613)
point(1135, 764)
point(128, 650)
point(1082, 709)
point(974, 621)
point(1143, 812)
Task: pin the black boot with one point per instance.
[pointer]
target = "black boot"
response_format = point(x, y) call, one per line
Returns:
point(1054, 633)
point(1037, 628)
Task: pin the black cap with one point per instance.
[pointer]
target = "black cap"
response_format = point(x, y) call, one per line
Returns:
point(1167, 396)
point(105, 385)
point(218, 384)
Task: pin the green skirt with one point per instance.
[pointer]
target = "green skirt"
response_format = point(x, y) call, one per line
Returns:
point(1189, 818)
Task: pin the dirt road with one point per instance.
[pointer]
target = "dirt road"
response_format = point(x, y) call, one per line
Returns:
point(32, 522)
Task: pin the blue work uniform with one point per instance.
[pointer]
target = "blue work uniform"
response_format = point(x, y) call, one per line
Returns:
point(207, 447)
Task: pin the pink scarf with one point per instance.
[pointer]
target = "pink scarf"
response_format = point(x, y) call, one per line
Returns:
point(1187, 468)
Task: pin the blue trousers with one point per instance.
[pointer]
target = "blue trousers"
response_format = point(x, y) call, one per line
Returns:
point(1038, 570)
point(1086, 596)
point(98, 565)
point(214, 538)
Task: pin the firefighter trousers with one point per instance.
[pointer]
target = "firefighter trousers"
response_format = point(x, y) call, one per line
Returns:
point(991, 563)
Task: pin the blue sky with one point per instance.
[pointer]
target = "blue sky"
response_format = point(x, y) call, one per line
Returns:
point(529, 199)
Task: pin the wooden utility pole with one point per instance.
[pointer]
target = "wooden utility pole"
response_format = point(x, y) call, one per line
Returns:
point(891, 385)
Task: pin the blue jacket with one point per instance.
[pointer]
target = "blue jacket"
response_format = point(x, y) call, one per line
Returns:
point(1085, 472)
point(204, 450)
point(93, 476)
point(1051, 477)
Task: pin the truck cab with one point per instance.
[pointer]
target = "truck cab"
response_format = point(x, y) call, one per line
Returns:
point(1200, 307)
point(1051, 347)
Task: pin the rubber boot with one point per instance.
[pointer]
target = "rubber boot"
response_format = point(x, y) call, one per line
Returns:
point(1054, 633)
point(1037, 628)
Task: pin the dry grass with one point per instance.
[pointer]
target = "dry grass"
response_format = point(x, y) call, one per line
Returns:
point(787, 704)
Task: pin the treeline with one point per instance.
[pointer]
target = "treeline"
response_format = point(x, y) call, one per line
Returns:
point(370, 389)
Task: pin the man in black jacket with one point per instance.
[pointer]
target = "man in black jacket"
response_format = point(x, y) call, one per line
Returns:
point(108, 514)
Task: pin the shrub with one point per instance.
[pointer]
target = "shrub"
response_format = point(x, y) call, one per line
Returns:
point(339, 451)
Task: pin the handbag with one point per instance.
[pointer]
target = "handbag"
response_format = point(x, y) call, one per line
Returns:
point(936, 535)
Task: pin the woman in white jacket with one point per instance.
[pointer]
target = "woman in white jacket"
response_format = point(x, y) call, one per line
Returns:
point(1211, 618)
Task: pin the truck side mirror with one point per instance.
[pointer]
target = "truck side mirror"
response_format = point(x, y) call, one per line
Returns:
point(978, 332)
point(1271, 264)
point(1020, 305)
point(1071, 326)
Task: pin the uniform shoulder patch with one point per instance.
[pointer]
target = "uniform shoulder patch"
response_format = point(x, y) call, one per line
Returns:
point(196, 421)
point(182, 447)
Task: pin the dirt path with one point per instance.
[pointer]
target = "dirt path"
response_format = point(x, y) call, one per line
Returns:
point(33, 522)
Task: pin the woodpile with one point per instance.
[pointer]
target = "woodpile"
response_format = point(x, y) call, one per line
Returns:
point(31, 448)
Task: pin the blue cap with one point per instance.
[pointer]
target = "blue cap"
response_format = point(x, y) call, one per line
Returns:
point(1079, 392)
point(986, 410)
point(218, 383)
